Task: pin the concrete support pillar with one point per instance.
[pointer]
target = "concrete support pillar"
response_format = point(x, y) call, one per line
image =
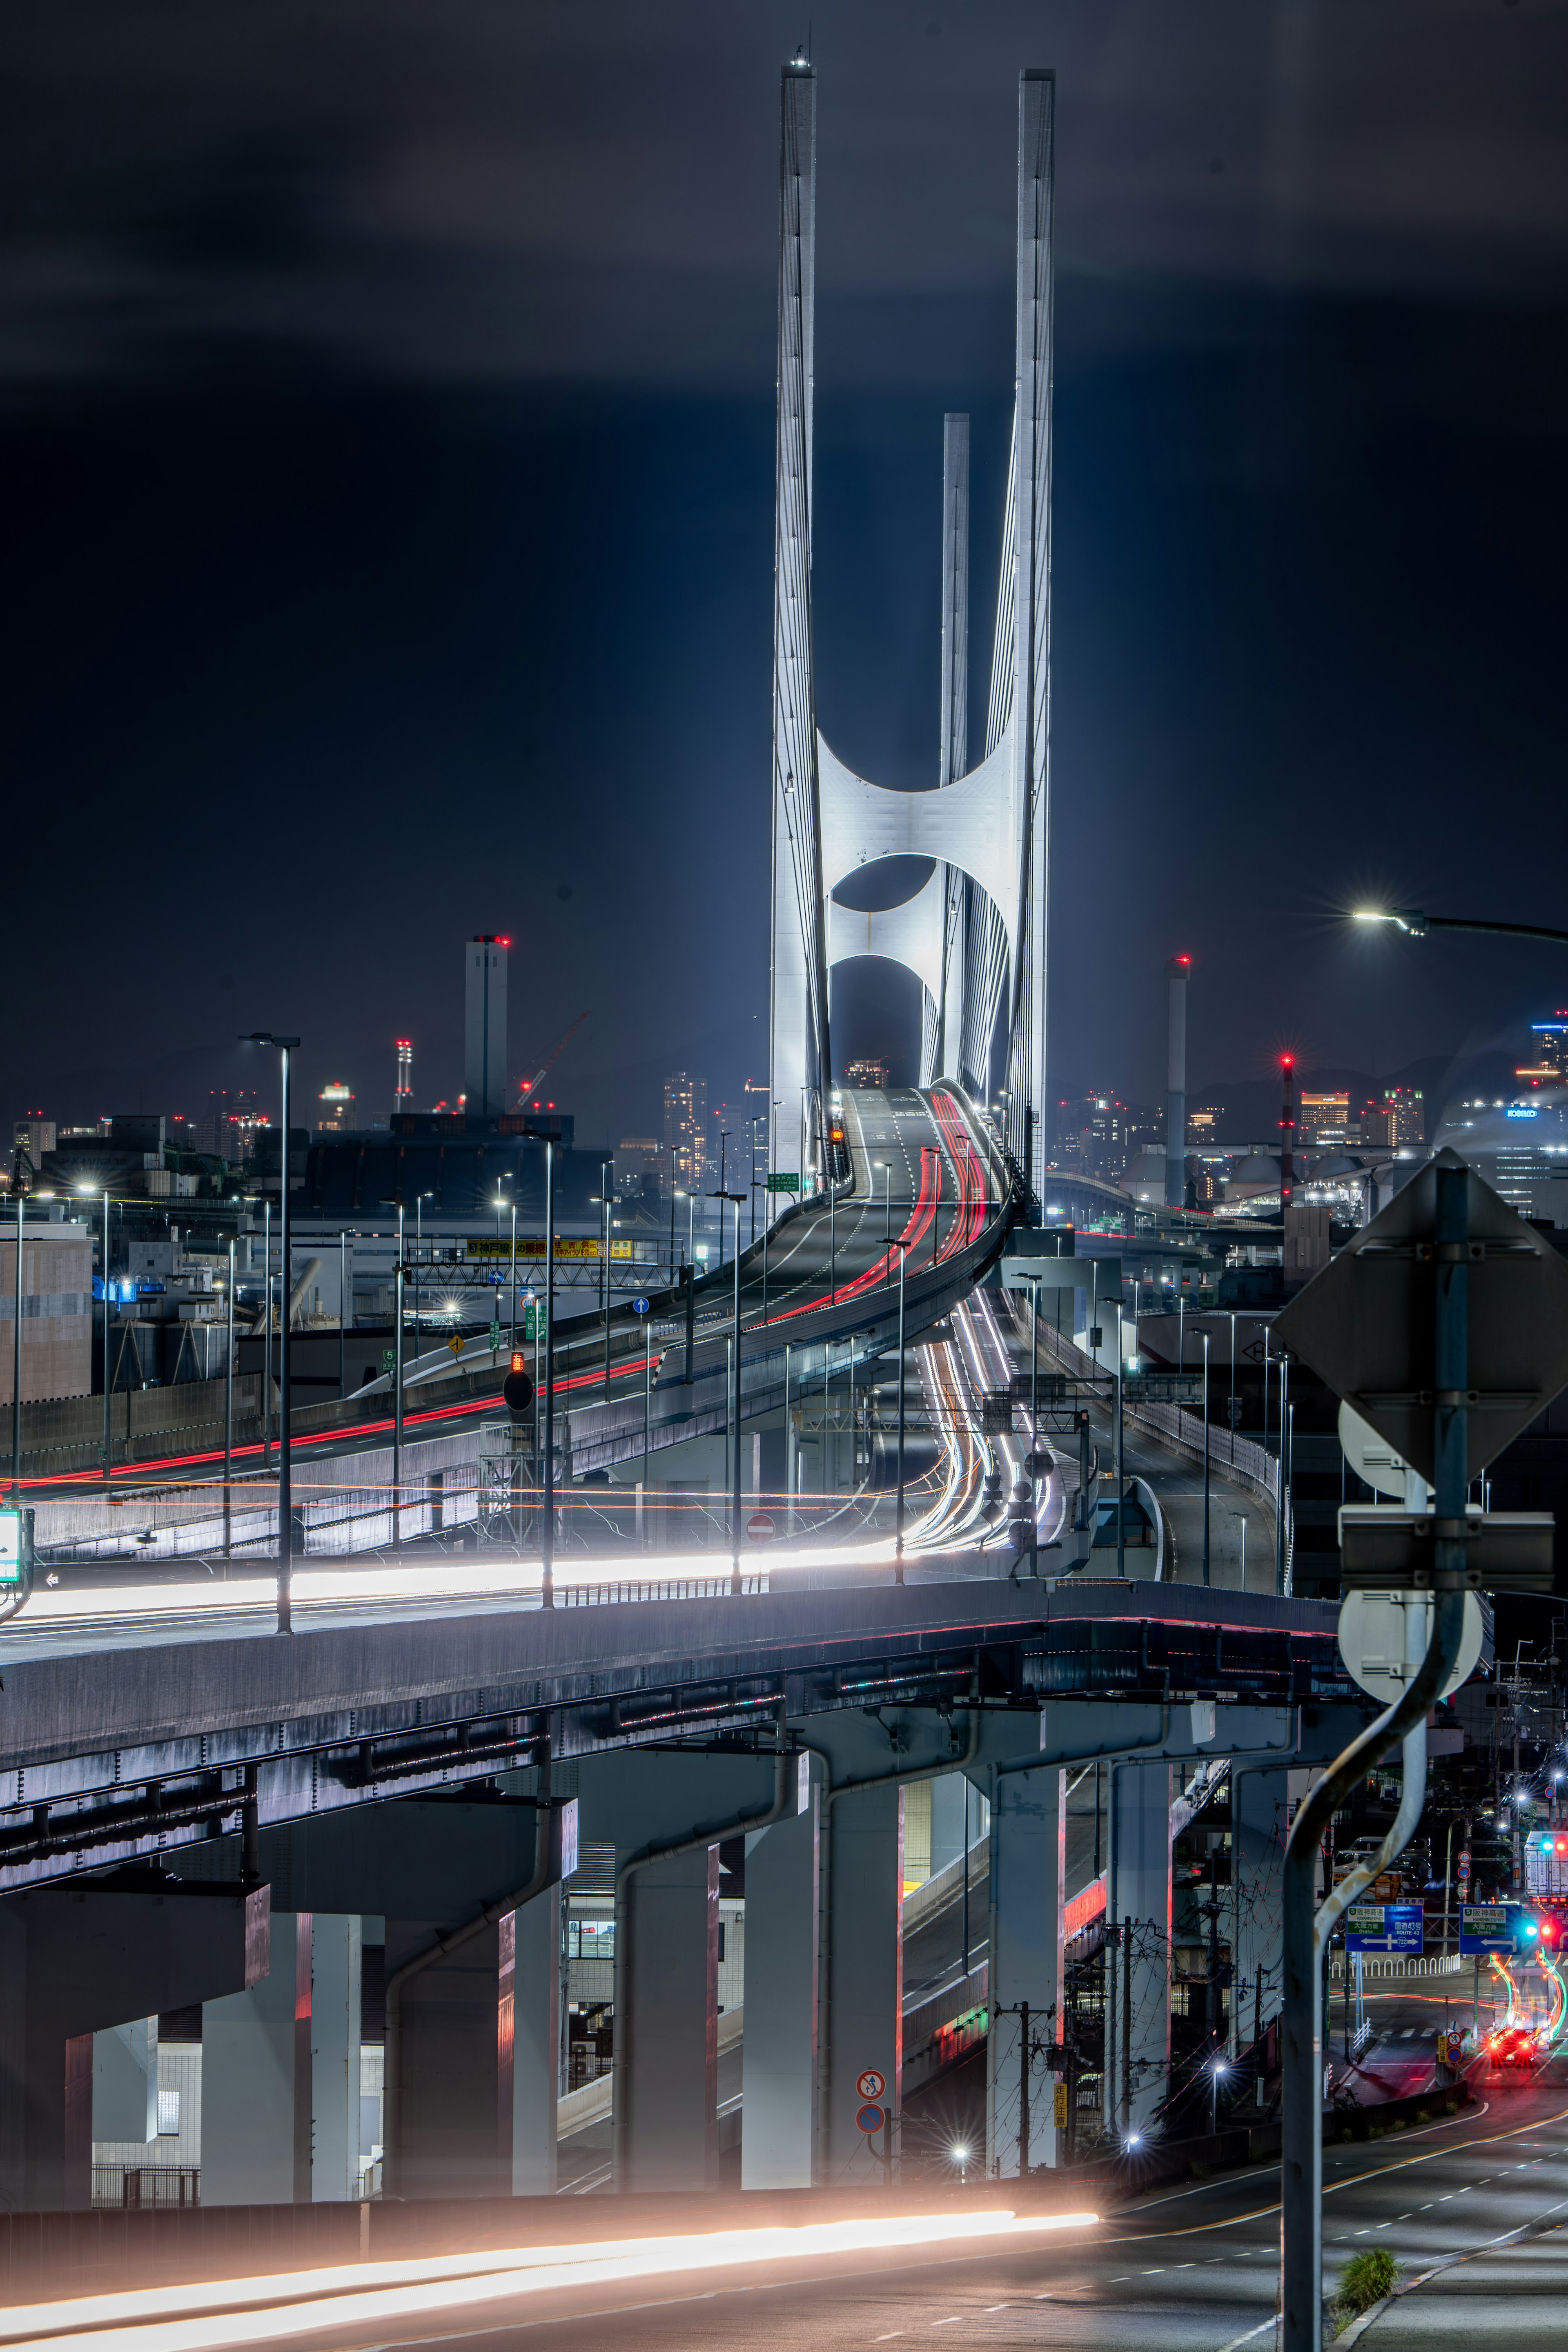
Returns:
point(780, 2057)
point(864, 2029)
point(1259, 1816)
point(667, 2047)
point(1028, 1897)
point(336, 1959)
point(1138, 2021)
point(529, 2041)
point(256, 2080)
point(76, 1961)
point(451, 2141)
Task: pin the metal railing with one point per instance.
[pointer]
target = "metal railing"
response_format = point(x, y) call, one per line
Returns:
point(138, 2188)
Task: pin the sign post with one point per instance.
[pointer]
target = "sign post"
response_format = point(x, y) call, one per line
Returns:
point(1445, 1324)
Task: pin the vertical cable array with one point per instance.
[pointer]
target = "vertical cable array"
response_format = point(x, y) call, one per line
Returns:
point(799, 1042)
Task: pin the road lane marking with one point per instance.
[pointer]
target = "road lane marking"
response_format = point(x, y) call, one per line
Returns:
point(1247, 2336)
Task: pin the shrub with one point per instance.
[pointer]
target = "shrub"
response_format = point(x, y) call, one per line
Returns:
point(1365, 2279)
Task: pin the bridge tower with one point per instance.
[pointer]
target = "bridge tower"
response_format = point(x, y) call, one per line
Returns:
point(974, 936)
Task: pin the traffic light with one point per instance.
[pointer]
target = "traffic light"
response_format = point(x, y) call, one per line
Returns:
point(517, 1388)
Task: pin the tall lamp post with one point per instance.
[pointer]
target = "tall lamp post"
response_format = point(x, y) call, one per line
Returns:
point(1205, 1419)
point(606, 1170)
point(107, 1414)
point(736, 1201)
point(1205, 1454)
point(342, 1313)
point(547, 1538)
point(266, 1333)
point(903, 1249)
point(17, 1363)
point(284, 1480)
point(397, 1370)
point(228, 1408)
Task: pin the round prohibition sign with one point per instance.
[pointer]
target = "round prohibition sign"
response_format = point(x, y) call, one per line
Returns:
point(870, 2119)
point(871, 2085)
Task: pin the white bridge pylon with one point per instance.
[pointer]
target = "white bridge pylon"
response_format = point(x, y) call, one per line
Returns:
point(975, 935)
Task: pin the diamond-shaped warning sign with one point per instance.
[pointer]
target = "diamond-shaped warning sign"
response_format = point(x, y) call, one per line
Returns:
point(1367, 1323)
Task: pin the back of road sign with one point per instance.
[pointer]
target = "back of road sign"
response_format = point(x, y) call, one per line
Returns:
point(1366, 1324)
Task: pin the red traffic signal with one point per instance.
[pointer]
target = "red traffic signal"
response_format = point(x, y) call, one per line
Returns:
point(517, 1388)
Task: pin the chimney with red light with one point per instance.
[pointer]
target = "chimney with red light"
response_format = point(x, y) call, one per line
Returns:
point(1288, 1130)
point(484, 1056)
point(1176, 972)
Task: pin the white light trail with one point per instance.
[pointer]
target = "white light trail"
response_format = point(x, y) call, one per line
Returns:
point(274, 2309)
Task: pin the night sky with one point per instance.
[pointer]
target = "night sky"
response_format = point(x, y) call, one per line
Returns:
point(386, 401)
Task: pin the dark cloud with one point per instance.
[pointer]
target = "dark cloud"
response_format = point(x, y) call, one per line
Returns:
point(485, 191)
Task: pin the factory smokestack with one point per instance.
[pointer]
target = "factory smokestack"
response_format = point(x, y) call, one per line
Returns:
point(1288, 1130)
point(1176, 972)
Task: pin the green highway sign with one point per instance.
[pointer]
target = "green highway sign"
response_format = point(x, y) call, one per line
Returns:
point(784, 1184)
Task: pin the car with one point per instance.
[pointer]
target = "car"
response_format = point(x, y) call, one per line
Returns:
point(1512, 2045)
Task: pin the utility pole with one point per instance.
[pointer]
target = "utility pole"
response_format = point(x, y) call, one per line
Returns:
point(547, 1544)
point(736, 1199)
point(107, 1374)
point(228, 1402)
point(903, 1249)
point(606, 1170)
point(397, 1389)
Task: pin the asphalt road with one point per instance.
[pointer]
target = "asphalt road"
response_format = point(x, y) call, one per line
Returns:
point(1474, 2210)
point(1195, 2268)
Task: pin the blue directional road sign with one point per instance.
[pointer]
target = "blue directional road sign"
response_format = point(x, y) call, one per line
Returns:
point(1485, 1928)
point(639, 1306)
point(1385, 1927)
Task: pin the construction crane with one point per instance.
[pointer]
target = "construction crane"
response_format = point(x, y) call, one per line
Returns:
point(531, 1085)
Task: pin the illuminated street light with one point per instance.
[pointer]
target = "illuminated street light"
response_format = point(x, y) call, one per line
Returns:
point(1416, 924)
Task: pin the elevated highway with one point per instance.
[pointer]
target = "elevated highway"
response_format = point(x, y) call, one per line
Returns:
point(818, 1302)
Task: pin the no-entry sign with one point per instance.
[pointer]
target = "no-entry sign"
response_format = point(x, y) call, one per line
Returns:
point(759, 1527)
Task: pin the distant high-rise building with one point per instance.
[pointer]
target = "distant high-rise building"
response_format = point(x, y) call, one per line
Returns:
point(868, 1072)
point(484, 1028)
point(38, 1134)
point(335, 1108)
point(686, 1128)
point(402, 1090)
point(1549, 1063)
point(1325, 1118)
point(1406, 1115)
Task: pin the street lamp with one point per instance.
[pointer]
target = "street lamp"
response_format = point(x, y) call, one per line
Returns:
point(1218, 2069)
point(17, 1363)
point(107, 1414)
point(1205, 1457)
point(737, 1199)
point(903, 1248)
point(547, 1539)
point(606, 1170)
point(1416, 924)
point(284, 1480)
point(1205, 1417)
